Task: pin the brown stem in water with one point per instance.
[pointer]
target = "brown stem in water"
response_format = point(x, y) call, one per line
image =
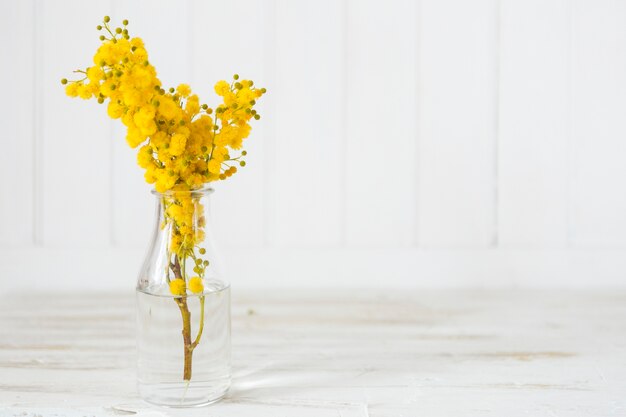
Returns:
point(186, 315)
point(184, 311)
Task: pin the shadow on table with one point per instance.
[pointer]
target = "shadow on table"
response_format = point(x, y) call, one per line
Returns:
point(270, 380)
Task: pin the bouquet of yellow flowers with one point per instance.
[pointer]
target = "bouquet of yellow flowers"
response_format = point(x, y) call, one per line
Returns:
point(185, 143)
point(182, 145)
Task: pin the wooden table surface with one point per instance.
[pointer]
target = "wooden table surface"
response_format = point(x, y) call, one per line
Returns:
point(348, 354)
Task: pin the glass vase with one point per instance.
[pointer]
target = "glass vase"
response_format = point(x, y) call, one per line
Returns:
point(183, 307)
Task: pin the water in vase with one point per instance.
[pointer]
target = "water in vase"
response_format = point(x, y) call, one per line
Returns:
point(161, 348)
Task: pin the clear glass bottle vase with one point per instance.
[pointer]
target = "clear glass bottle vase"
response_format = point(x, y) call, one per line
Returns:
point(183, 307)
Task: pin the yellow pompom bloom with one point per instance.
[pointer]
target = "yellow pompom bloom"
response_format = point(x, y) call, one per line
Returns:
point(195, 285)
point(103, 55)
point(136, 43)
point(72, 90)
point(144, 156)
point(222, 88)
point(195, 181)
point(144, 120)
point(83, 92)
point(115, 110)
point(177, 147)
point(149, 175)
point(131, 96)
point(95, 74)
point(139, 55)
point(165, 180)
point(134, 137)
point(183, 90)
point(193, 105)
point(214, 166)
point(177, 286)
point(168, 108)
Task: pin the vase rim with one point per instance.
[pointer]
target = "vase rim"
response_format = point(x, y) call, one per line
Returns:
point(206, 190)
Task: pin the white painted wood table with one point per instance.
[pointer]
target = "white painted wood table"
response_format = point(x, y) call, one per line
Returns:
point(403, 353)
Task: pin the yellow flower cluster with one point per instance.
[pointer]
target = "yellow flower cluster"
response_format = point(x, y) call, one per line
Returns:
point(182, 143)
point(184, 212)
point(179, 287)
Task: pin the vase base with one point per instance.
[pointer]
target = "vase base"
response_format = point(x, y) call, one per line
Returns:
point(175, 396)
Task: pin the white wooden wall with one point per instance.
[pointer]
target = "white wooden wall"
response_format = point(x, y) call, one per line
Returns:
point(432, 142)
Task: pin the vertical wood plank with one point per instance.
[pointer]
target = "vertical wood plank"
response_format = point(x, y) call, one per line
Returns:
point(17, 109)
point(269, 125)
point(534, 117)
point(381, 127)
point(75, 134)
point(234, 44)
point(164, 26)
point(309, 117)
point(458, 124)
point(599, 123)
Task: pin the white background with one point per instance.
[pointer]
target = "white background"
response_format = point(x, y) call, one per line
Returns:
point(403, 143)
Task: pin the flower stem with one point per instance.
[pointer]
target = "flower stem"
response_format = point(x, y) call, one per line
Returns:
point(201, 326)
point(188, 348)
point(186, 316)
